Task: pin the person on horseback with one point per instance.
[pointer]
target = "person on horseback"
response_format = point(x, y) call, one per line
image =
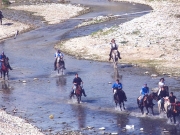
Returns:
point(77, 81)
point(161, 84)
point(144, 91)
point(118, 87)
point(2, 57)
point(56, 55)
point(114, 46)
point(172, 98)
point(162, 96)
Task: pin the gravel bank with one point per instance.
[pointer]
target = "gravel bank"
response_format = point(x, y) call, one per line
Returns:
point(150, 40)
point(12, 125)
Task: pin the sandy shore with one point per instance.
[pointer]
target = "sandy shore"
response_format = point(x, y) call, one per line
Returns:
point(52, 14)
point(151, 40)
point(9, 28)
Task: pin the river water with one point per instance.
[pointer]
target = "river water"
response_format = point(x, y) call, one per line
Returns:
point(31, 56)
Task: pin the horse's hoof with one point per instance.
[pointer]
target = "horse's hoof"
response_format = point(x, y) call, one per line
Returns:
point(146, 113)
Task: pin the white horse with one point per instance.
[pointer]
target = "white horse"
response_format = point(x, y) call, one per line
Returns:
point(166, 104)
point(114, 56)
point(60, 65)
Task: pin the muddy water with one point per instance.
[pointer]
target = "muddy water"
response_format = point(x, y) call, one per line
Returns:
point(31, 56)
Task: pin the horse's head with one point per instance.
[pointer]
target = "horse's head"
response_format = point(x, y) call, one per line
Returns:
point(154, 96)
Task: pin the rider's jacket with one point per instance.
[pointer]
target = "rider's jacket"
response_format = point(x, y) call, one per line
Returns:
point(172, 99)
point(77, 80)
point(114, 46)
point(144, 91)
point(58, 55)
point(117, 86)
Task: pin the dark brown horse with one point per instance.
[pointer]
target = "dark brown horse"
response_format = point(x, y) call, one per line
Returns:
point(147, 102)
point(119, 98)
point(5, 68)
point(173, 110)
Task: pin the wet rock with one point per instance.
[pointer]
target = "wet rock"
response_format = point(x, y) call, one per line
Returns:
point(24, 81)
point(154, 75)
point(102, 128)
point(114, 133)
point(146, 73)
point(109, 82)
point(36, 79)
point(141, 129)
point(51, 116)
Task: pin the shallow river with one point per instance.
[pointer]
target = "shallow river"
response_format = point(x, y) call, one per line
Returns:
point(31, 56)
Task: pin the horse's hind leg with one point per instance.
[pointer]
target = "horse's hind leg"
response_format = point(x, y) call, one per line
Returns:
point(152, 110)
point(174, 118)
point(123, 105)
point(120, 106)
point(147, 110)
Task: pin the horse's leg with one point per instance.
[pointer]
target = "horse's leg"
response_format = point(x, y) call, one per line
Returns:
point(152, 110)
point(142, 109)
point(120, 105)
point(123, 105)
point(8, 75)
point(4, 74)
point(174, 118)
point(147, 110)
point(1, 73)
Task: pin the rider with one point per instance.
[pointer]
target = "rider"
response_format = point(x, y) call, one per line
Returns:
point(2, 57)
point(161, 84)
point(58, 54)
point(118, 86)
point(77, 81)
point(144, 91)
point(172, 98)
point(114, 46)
point(162, 95)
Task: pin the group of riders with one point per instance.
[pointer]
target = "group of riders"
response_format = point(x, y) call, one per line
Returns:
point(162, 94)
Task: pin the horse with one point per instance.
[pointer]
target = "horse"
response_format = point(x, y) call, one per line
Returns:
point(119, 97)
point(77, 93)
point(114, 56)
point(173, 110)
point(147, 102)
point(5, 67)
point(60, 64)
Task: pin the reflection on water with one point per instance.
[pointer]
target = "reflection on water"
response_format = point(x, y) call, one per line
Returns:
point(80, 115)
point(5, 87)
point(61, 81)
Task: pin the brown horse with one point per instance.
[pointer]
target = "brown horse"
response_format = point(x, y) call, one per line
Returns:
point(78, 93)
point(5, 67)
point(147, 102)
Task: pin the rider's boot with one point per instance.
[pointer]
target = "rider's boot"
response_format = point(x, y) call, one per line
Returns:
point(119, 55)
point(84, 92)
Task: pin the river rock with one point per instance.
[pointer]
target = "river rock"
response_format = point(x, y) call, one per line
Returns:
point(102, 128)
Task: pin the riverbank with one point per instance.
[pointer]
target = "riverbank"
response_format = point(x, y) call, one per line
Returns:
point(13, 125)
point(51, 14)
point(151, 40)
point(9, 28)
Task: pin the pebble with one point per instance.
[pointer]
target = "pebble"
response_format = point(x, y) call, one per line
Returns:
point(102, 128)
